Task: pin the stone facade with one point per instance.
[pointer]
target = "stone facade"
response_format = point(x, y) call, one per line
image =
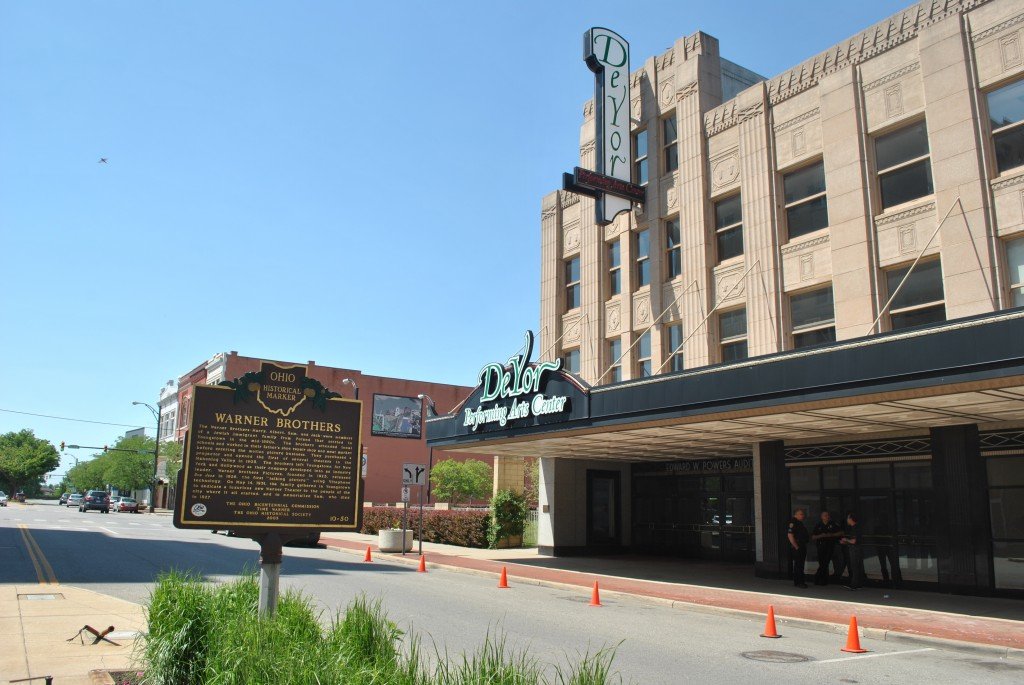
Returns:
point(934, 62)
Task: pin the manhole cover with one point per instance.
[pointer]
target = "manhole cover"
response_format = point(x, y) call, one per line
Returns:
point(775, 657)
point(41, 597)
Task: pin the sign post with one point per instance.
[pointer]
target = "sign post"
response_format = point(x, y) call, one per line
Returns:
point(414, 474)
point(273, 456)
point(405, 514)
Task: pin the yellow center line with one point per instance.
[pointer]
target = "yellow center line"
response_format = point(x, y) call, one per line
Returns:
point(39, 561)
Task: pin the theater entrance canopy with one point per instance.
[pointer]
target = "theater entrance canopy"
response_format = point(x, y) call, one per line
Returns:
point(969, 371)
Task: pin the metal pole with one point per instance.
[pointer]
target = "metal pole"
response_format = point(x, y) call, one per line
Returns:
point(421, 521)
point(156, 462)
point(271, 554)
point(405, 521)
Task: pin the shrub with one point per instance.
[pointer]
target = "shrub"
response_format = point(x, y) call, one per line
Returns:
point(462, 528)
point(508, 517)
point(179, 629)
point(461, 481)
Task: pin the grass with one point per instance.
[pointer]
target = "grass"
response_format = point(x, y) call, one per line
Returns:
point(201, 634)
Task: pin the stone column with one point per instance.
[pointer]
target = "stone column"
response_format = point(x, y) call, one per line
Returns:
point(550, 246)
point(760, 244)
point(771, 505)
point(854, 263)
point(509, 474)
point(967, 254)
point(961, 512)
point(545, 506)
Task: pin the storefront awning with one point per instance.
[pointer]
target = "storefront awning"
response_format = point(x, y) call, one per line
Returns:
point(968, 371)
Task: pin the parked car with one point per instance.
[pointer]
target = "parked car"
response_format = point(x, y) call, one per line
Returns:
point(3, 498)
point(126, 504)
point(74, 500)
point(95, 499)
point(19, 497)
point(64, 498)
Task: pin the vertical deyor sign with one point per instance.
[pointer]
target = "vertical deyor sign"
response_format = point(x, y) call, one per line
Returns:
point(607, 55)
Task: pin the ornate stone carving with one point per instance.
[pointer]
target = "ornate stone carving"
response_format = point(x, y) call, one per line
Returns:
point(799, 141)
point(613, 318)
point(789, 123)
point(892, 76)
point(729, 114)
point(571, 237)
point(636, 109)
point(893, 101)
point(907, 238)
point(672, 196)
point(686, 91)
point(588, 109)
point(569, 199)
point(726, 281)
point(667, 92)
point(875, 40)
point(1009, 50)
point(999, 28)
point(573, 330)
point(1008, 182)
point(642, 310)
point(807, 266)
point(547, 213)
point(807, 244)
point(725, 169)
point(666, 60)
point(884, 220)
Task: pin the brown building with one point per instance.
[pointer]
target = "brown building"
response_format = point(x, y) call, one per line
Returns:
point(392, 425)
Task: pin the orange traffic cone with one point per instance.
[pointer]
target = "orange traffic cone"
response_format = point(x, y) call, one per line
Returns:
point(595, 597)
point(503, 581)
point(423, 564)
point(769, 625)
point(853, 639)
point(368, 557)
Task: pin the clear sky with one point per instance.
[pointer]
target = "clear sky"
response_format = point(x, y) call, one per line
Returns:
point(356, 183)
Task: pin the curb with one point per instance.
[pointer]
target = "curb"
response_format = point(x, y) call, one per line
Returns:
point(881, 634)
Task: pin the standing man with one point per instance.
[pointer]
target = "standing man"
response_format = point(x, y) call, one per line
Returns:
point(826, 534)
point(851, 542)
point(796, 533)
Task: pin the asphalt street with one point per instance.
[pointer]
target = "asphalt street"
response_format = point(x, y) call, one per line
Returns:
point(122, 554)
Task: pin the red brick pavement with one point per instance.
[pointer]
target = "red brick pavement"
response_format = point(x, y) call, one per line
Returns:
point(979, 630)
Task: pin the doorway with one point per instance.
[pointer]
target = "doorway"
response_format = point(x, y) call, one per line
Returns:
point(604, 504)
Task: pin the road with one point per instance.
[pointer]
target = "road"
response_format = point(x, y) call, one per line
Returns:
point(121, 555)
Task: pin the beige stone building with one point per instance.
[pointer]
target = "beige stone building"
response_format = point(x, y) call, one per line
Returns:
point(818, 307)
point(784, 212)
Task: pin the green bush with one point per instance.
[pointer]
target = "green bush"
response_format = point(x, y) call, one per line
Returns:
point(199, 634)
point(459, 482)
point(462, 528)
point(508, 518)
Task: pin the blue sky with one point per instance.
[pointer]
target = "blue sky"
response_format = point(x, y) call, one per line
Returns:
point(353, 183)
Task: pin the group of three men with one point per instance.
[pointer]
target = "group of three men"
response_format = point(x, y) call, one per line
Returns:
point(826, 535)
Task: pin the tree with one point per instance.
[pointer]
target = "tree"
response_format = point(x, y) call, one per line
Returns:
point(459, 482)
point(129, 466)
point(170, 452)
point(531, 488)
point(25, 459)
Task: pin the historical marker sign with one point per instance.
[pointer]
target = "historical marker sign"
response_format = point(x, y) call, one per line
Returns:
point(272, 450)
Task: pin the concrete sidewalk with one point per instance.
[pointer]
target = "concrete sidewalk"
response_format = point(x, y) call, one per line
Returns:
point(37, 620)
point(977, 623)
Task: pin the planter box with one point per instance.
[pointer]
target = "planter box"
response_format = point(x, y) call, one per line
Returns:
point(510, 542)
point(391, 540)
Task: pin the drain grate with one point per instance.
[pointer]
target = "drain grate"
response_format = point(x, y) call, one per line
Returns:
point(775, 657)
point(41, 597)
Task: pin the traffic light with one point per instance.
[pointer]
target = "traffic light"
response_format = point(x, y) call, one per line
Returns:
point(104, 448)
point(61, 445)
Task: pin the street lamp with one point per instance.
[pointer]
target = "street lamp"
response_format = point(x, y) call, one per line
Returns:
point(349, 381)
point(156, 452)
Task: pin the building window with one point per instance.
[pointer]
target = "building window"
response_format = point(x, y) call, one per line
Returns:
point(673, 249)
point(643, 258)
point(643, 356)
point(732, 330)
point(640, 162)
point(1006, 112)
point(904, 167)
point(572, 283)
point(670, 151)
point(614, 269)
point(813, 317)
point(1015, 269)
point(673, 345)
point(571, 361)
point(920, 300)
point(806, 206)
point(729, 228)
point(614, 354)
point(167, 424)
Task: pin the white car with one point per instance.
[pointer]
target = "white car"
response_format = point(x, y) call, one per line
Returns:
point(3, 498)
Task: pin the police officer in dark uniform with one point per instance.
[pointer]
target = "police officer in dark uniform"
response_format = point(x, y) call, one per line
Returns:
point(825, 535)
point(853, 545)
point(796, 533)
